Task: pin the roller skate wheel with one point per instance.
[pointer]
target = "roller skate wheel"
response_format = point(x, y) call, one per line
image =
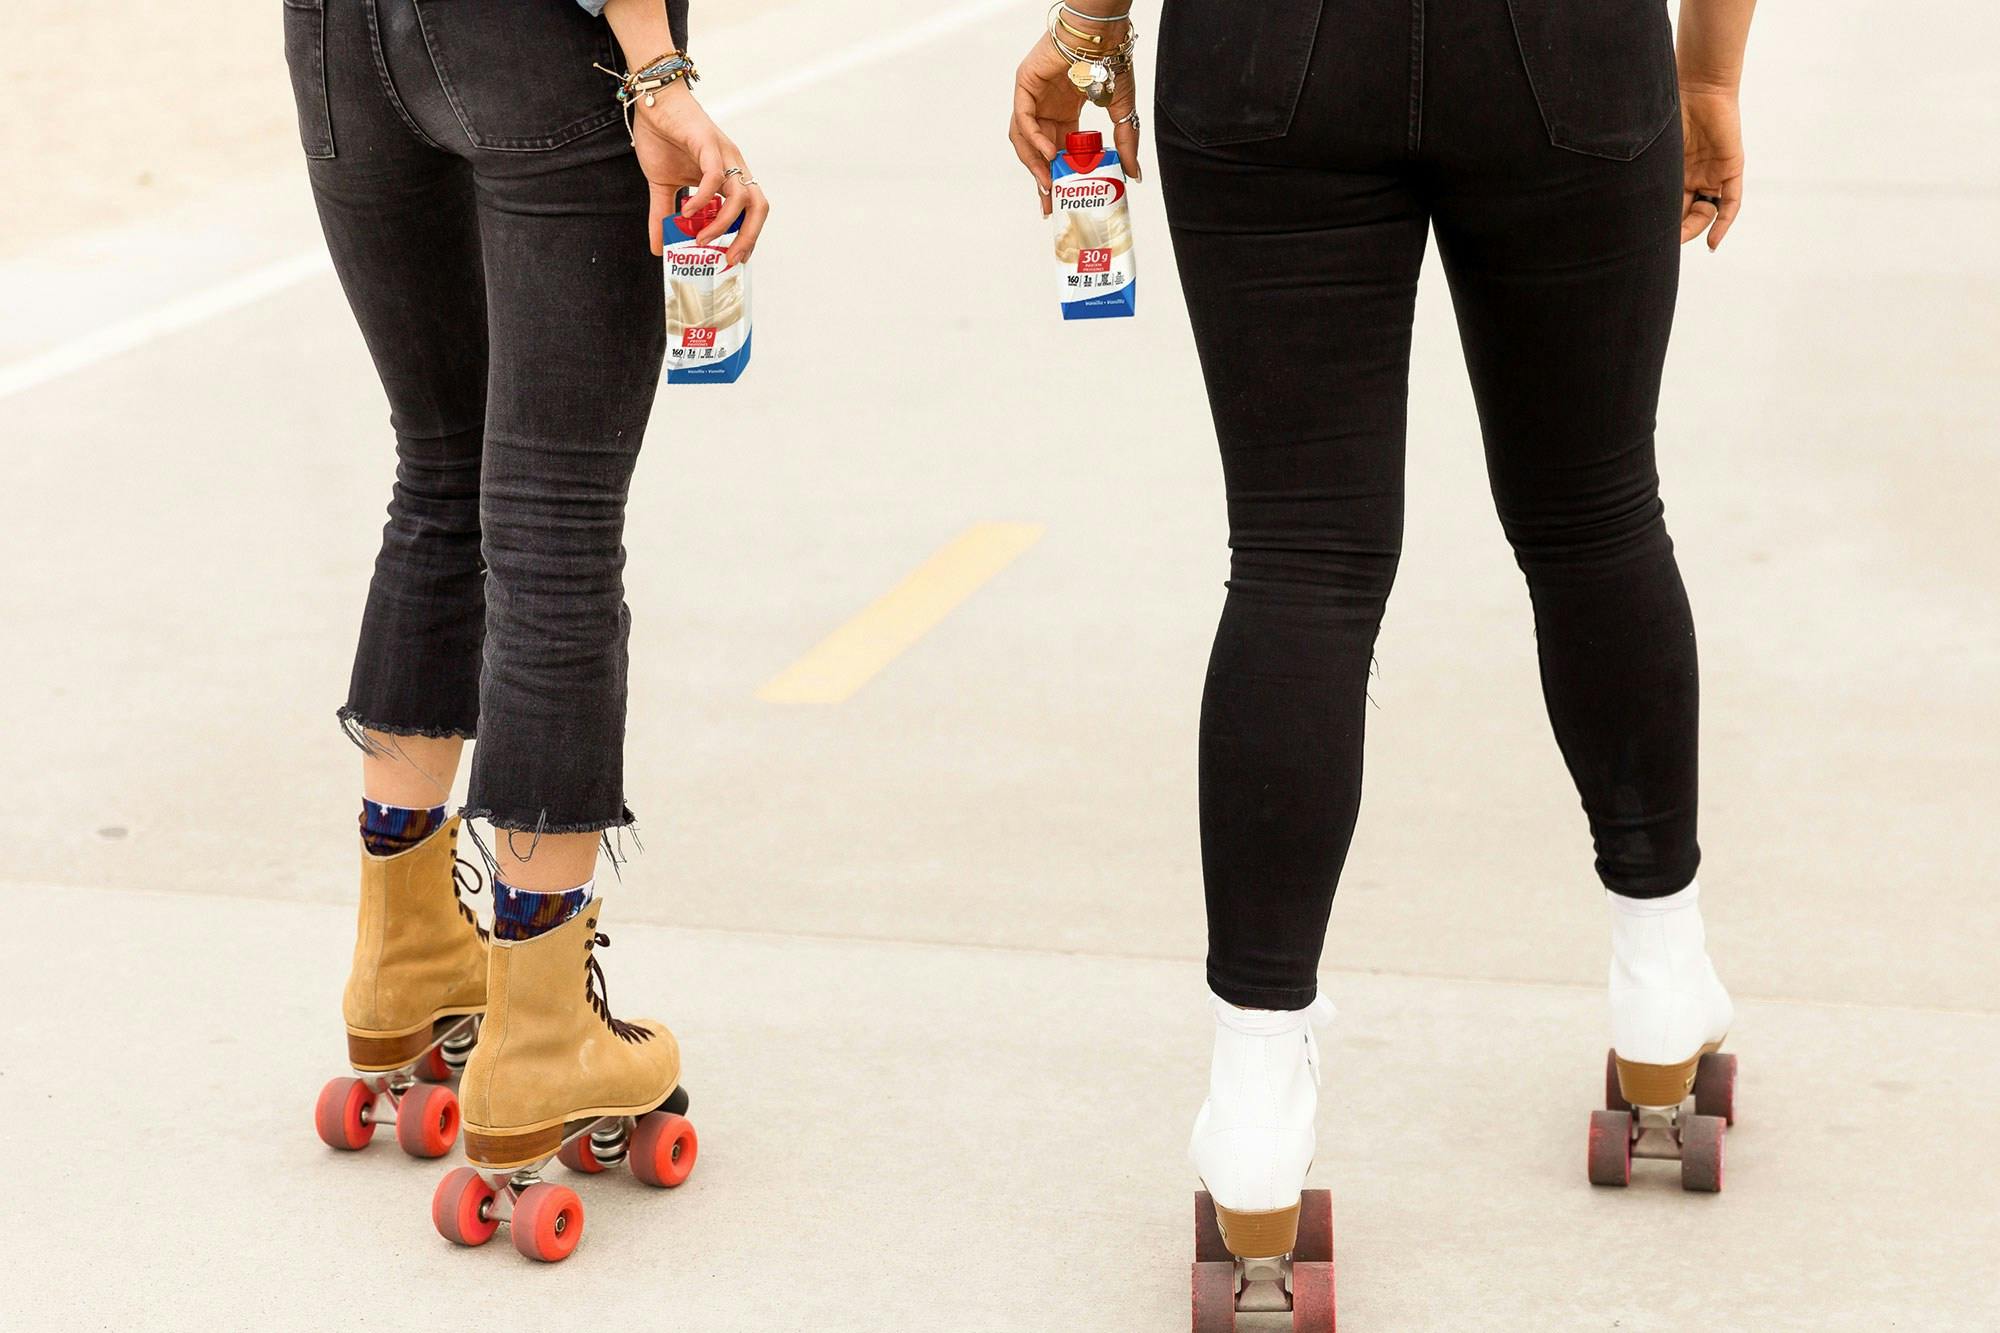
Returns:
point(1312, 1297)
point(432, 1067)
point(1614, 1096)
point(1208, 1246)
point(342, 1115)
point(663, 1149)
point(1701, 1153)
point(1715, 1086)
point(577, 1156)
point(1315, 1242)
point(427, 1120)
point(461, 1209)
point(1214, 1296)
point(1610, 1148)
point(548, 1222)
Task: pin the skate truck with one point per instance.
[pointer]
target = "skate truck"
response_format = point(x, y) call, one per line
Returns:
point(413, 1096)
point(1299, 1283)
point(1641, 1118)
point(544, 1219)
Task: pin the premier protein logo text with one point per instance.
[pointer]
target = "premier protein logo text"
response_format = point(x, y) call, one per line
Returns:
point(1088, 192)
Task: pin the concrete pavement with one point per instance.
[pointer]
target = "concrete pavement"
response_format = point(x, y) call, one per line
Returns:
point(934, 950)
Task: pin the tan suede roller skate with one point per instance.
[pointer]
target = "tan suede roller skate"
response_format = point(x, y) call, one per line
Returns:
point(412, 1005)
point(555, 1075)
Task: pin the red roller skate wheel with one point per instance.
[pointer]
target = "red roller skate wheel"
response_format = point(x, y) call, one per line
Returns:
point(1715, 1086)
point(1610, 1148)
point(1701, 1153)
point(663, 1149)
point(427, 1120)
point(577, 1156)
point(1312, 1297)
point(341, 1116)
point(1315, 1241)
point(1214, 1283)
point(460, 1208)
point(1614, 1096)
point(1208, 1246)
point(432, 1067)
point(548, 1222)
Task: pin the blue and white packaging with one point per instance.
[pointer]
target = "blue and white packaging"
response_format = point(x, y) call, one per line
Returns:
point(708, 301)
point(1095, 264)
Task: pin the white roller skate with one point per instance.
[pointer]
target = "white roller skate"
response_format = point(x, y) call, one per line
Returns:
point(1669, 1092)
point(1262, 1241)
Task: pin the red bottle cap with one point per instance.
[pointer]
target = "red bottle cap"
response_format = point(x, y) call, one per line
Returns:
point(707, 213)
point(1083, 143)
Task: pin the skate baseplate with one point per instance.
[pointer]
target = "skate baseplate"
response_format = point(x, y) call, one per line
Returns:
point(1299, 1283)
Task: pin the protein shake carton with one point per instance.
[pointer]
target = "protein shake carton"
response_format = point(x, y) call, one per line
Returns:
point(1094, 261)
point(708, 302)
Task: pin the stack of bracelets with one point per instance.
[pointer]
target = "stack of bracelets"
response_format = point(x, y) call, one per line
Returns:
point(645, 81)
point(1094, 71)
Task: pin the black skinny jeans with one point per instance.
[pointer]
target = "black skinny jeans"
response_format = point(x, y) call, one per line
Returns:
point(488, 223)
point(1307, 150)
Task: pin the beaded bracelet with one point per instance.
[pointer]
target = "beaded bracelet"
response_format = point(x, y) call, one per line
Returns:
point(645, 82)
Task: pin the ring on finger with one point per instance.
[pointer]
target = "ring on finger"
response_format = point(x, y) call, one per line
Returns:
point(1131, 119)
point(1713, 201)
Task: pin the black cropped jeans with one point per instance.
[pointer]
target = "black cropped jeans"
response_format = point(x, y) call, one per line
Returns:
point(1307, 151)
point(488, 223)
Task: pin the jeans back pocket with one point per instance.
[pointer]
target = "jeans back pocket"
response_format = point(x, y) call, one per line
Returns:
point(1602, 71)
point(518, 72)
point(1231, 71)
point(305, 54)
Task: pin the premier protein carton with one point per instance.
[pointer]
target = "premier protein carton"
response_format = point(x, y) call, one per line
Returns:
point(1094, 261)
point(708, 301)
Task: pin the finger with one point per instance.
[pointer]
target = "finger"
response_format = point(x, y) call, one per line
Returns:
point(1029, 127)
point(659, 209)
point(709, 159)
point(755, 211)
point(1037, 166)
point(1125, 127)
point(1126, 136)
point(1725, 217)
point(734, 198)
point(1694, 217)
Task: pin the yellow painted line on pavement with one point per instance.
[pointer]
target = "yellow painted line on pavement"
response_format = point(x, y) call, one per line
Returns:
point(852, 655)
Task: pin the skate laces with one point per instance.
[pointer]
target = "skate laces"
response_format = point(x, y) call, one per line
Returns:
point(1279, 1023)
point(600, 992)
point(467, 881)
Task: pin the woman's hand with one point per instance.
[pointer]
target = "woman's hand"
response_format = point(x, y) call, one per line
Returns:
point(1712, 134)
point(1047, 107)
point(679, 145)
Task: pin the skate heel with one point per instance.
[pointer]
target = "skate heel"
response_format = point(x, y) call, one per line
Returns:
point(1264, 1234)
point(369, 1053)
point(1659, 1085)
point(508, 1149)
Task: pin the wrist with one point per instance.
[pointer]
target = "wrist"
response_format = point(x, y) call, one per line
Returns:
point(670, 103)
point(1107, 21)
point(1705, 78)
point(1708, 86)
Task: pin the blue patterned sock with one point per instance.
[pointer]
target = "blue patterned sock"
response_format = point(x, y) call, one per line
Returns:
point(388, 829)
point(522, 914)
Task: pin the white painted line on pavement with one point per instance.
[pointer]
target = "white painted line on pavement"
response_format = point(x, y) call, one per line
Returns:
point(865, 52)
point(89, 349)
